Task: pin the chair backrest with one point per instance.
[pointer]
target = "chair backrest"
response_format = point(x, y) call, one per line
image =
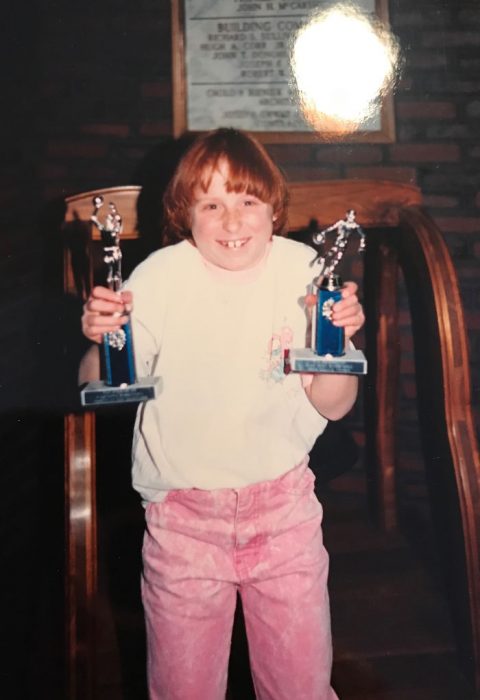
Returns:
point(376, 202)
point(449, 441)
point(403, 237)
point(400, 235)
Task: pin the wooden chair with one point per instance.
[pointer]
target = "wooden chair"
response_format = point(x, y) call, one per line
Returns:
point(400, 235)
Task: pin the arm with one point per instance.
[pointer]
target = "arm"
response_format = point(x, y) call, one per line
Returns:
point(89, 370)
point(333, 395)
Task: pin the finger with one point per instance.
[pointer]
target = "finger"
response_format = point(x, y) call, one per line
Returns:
point(103, 300)
point(350, 315)
point(346, 310)
point(349, 288)
point(96, 333)
point(346, 307)
point(356, 320)
point(106, 308)
point(102, 323)
point(355, 326)
point(105, 293)
point(127, 298)
point(94, 338)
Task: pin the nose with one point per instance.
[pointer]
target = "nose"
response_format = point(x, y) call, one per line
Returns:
point(231, 220)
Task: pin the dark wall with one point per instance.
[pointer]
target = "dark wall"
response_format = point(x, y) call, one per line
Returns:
point(87, 103)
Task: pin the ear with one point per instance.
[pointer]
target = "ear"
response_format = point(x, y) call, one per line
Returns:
point(274, 217)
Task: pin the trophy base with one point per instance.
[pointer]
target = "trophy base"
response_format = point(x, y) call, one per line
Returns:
point(305, 360)
point(100, 394)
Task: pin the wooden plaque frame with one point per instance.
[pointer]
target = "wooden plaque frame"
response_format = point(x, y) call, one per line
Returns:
point(385, 133)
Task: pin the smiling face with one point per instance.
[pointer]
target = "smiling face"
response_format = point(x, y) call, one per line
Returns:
point(249, 168)
point(230, 229)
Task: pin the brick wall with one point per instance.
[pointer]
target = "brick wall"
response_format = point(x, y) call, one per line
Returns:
point(87, 100)
point(96, 104)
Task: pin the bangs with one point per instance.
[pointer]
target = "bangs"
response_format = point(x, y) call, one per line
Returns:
point(241, 177)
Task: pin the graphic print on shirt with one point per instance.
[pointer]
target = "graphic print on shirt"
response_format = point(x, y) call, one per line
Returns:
point(278, 343)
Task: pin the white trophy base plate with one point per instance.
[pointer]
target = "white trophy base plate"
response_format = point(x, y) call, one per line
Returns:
point(305, 360)
point(100, 394)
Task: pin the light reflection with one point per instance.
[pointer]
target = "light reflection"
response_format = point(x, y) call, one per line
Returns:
point(344, 62)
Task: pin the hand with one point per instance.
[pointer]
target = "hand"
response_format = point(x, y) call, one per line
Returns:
point(348, 312)
point(105, 311)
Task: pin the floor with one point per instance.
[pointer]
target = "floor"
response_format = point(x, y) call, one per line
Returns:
point(391, 626)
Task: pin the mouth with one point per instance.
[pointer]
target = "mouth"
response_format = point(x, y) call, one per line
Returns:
point(238, 243)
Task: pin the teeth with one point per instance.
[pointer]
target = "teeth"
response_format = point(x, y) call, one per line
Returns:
point(233, 244)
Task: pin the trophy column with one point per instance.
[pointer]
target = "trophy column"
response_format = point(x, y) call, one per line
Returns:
point(329, 339)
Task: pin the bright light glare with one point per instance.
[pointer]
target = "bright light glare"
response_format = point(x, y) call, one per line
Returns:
point(343, 63)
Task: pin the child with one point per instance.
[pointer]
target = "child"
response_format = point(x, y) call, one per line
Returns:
point(220, 456)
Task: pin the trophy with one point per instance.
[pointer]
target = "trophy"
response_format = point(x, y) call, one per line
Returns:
point(327, 352)
point(120, 384)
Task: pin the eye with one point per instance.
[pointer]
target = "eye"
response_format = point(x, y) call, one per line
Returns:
point(250, 202)
point(210, 206)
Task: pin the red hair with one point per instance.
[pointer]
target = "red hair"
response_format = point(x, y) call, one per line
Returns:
point(250, 169)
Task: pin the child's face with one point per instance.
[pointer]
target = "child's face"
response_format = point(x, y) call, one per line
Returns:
point(230, 229)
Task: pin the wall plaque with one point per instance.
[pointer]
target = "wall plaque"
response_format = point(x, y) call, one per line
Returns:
point(231, 67)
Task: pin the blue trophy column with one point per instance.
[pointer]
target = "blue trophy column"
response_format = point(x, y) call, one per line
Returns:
point(329, 339)
point(119, 358)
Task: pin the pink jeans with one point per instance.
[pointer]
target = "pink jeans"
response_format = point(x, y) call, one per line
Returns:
point(264, 540)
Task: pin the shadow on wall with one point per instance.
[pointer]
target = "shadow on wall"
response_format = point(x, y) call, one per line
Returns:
point(154, 174)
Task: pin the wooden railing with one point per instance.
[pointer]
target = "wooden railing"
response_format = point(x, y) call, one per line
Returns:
point(446, 424)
